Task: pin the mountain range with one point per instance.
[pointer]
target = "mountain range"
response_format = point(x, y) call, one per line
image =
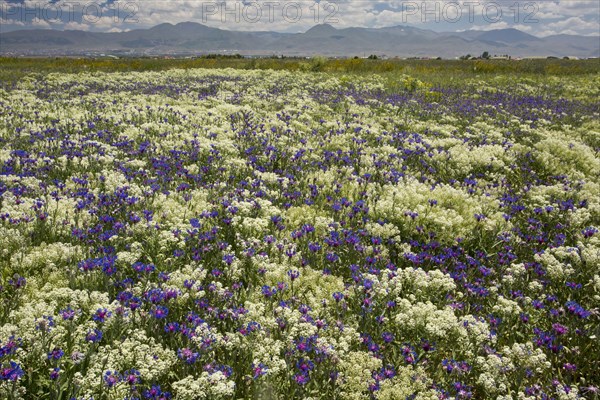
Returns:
point(194, 38)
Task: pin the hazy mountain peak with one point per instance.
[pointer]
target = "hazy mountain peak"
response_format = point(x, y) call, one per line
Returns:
point(507, 35)
point(402, 28)
point(192, 38)
point(161, 26)
point(322, 29)
point(189, 24)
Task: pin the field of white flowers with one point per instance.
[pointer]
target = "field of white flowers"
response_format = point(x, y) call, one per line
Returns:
point(222, 234)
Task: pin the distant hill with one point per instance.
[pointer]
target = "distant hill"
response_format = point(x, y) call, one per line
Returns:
point(194, 38)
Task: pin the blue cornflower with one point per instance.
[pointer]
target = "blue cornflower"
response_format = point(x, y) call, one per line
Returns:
point(94, 336)
point(132, 377)
point(111, 378)
point(101, 315)
point(12, 373)
point(187, 355)
point(259, 370)
point(301, 379)
point(55, 373)
point(56, 354)
point(160, 312)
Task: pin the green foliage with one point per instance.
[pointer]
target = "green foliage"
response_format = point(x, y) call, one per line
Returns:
point(14, 69)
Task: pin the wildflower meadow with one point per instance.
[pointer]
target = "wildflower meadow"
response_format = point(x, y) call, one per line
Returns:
point(259, 234)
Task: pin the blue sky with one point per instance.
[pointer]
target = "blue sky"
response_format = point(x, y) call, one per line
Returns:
point(540, 18)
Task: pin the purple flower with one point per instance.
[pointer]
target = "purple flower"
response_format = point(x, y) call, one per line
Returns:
point(228, 258)
point(67, 314)
point(155, 393)
point(305, 365)
point(155, 295)
point(304, 309)
point(101, 315)
point(305, 344)
point(12, 373)
point(10, 347)
point(314, 247)
point(410, 355)
point(427, 346)
point(111, 378)
point(293, 274)
point(462, 391)
point(253, 326)
point(163, 276)
point(159, 312)
point(187, 355)
point(134, 303)
point(124, 296)
point(268, 292)
point(141, 267)
point(55, 373)
point(188, 284)
point(94, 336)
point(109, 269)
point(301, 379)
point(387, 337)
point(560, 329)
point(332, 257)
point(46, 323)
point(172, 327)
point(56, 354)
point(259, 370)
point(132, 377)
point(574, 308)
point(338, 296)
point(574, 285)
point(569, 367)
point(589, 232)
point(17, 281)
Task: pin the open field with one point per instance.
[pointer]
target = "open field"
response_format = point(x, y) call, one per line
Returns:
point(295, 229)
point(15, 68)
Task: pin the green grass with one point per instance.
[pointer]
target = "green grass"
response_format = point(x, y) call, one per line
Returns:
point(13, 69)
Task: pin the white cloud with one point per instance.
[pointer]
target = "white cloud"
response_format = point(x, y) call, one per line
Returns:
point(523, 28)
point(76, 26)
point(40, 23)
point(580, 16)
point(495, 25)
point(573, 22)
